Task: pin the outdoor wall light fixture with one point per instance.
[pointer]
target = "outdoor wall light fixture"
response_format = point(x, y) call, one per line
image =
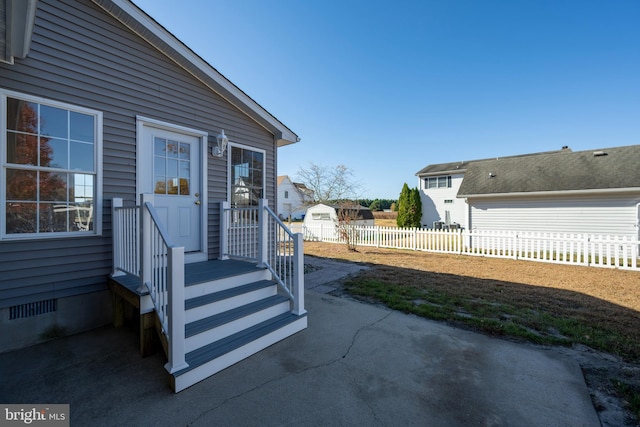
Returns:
point(218, 150)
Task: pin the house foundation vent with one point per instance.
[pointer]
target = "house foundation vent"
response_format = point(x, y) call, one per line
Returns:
point(33, 309)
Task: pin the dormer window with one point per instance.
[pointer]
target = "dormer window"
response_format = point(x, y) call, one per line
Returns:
point(438, 182)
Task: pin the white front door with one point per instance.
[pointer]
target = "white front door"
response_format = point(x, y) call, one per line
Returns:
point(171, 170)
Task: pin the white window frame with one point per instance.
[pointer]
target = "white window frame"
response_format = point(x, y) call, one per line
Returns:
point(98, 158)
point(437, 179)
point(321, 216)
point(264, 165)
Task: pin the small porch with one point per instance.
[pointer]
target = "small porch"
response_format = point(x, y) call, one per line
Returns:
point(211, 314)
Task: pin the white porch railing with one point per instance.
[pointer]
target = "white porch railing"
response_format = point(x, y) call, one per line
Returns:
point(158, 264)
point(126, 243)
point(563, 248)
point(256, 234)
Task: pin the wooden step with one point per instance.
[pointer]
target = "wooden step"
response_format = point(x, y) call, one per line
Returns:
point(212, 358)
point(200, 283)
point(222, 325)
point(228, 299)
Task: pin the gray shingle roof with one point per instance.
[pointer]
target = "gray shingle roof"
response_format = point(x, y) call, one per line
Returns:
point(443, 168)
point(608, 168)
point(355, 211)
point(440, 168)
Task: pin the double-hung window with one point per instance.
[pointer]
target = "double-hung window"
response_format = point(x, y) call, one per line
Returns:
point(50, 160)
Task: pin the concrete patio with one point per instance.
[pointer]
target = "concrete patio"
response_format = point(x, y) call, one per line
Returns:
point(356, 364)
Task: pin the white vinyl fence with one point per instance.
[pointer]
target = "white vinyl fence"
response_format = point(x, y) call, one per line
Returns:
point(563, 248)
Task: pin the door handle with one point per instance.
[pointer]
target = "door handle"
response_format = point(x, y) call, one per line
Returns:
point(197, 202)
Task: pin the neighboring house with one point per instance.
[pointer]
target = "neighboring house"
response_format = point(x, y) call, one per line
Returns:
point(99, 102)
point(293, 198)
point(593, 191)
point(326, 217)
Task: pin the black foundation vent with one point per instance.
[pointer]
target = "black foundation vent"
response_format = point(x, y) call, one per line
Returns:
point(33, 309)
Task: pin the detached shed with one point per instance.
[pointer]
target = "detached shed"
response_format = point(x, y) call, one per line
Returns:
point(321, 219)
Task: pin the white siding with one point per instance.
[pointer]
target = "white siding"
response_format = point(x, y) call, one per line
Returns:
point(614, 215)
point(292, 205)
point(435, 205)
point(329, 217)
point(309, 220)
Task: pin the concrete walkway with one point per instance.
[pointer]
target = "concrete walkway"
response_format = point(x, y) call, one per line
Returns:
point(325, 274)
point(356, 364)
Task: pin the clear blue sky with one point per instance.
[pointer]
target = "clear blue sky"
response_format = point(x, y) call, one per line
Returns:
point(388, 87)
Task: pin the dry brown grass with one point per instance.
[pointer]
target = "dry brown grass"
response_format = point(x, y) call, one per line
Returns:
point(386, 222)
point(619, 287)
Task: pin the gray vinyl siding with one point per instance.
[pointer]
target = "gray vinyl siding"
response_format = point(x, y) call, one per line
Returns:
point(613, 215)
point(4, 51)
point(82, 56)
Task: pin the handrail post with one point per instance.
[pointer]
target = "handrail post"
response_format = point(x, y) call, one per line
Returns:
point(145, 242)
point(263, 234)
point(224, 231)
point(116, 236)
point(298, 277)
point(175, 298)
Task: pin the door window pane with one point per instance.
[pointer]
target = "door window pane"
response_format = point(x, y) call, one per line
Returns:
point(172, 185)
point(185, 151)
point(172, 149)
point(160, 186)
point(184, 186)
point(171, 167)
point(160, 147)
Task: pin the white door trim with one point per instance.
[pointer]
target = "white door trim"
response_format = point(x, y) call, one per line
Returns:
point(142, 171)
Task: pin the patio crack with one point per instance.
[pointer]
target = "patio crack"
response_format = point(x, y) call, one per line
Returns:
point(355, 336)
point(301, 371)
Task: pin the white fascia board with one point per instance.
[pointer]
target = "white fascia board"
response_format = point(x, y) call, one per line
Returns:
point(21, 15)
point(447, 172)
point(241, 100)
point(595, 191)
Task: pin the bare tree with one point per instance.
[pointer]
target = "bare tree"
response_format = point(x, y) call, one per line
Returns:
point(346, 224)
point(337, 187)
point(329, 184)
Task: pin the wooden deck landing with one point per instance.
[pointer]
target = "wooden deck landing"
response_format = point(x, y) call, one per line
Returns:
point(194, 273)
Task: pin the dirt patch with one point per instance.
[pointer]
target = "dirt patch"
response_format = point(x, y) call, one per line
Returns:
point(605, 297)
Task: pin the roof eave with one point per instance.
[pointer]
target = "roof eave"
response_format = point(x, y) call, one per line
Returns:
point(553, 193)
point(20, 18)
point(145, 26)
point(451, 171)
